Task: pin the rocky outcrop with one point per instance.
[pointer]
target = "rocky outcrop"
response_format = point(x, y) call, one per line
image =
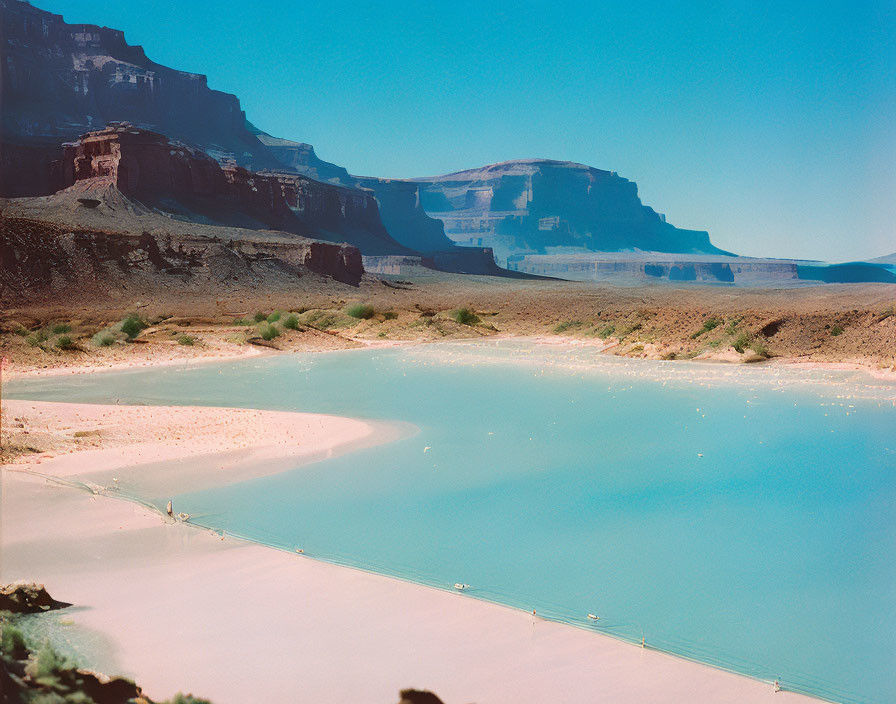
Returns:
point(532, 206)
point(43, 261)
point(175, 178)
point(28, 599)
point(60, 80)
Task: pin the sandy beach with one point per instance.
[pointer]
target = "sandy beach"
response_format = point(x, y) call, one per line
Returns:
point(179, 608)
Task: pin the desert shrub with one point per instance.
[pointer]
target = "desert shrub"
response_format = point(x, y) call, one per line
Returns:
point(186, 340)
point(732, 326)
point(268, 331)
point(187, 699)
point(291, 322)
point(259, 317)
point(464, 316)
point(360, 310)
point(33, 340)
point(47, 664)
point(390, 315)
point(741, 342)
point(708, 325)
point(759, 347)
point(12, 642)
point(837, 330)
point(243, 321)
point(64, 342)
point(565, 325)
point(103, 338)
point(275, 316)
point(606, 331)
point(61, 328)
point(20, 330)
point(627, 330)
point(132, 326)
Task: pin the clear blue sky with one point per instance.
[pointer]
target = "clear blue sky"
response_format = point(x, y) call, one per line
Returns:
point(770, 124)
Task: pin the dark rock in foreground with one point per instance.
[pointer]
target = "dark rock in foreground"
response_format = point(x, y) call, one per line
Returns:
point(417, 696)
point(28, 599)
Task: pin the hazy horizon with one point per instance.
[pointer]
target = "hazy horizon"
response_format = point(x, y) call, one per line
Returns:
point(769, 127)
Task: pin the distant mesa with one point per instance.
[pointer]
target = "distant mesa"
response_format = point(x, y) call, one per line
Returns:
point(541, 206)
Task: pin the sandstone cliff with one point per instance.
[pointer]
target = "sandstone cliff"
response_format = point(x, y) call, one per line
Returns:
point(174, 178)
point(60, 80)
point(533, 205)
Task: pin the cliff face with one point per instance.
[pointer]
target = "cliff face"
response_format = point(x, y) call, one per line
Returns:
point(529, 206)
point(301, 157)
point(60, 80)
point(45, 261)
point(186, 182)
point(399, 200)
point(404, 216)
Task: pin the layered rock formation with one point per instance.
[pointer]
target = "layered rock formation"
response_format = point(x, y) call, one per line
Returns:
point(650, 267)
point(301, 158)
point(535, 205)
point(41, 260)
point(60, 80)
point(403, 214)
point(186, 182)
point(398, 199)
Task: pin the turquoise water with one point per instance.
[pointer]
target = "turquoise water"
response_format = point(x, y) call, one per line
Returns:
point(743, 518)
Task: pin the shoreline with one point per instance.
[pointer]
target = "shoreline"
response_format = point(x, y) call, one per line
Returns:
point(143, 554)
point(722, 357)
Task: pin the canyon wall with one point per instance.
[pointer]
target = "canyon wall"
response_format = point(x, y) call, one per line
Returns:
point(177, 179)
point(60, 80)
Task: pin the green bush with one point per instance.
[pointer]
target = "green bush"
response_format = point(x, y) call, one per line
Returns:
point(291, 322)
point(259, 317)
point(12, 643)
point(275, 316)
point(267, 331)
point(606, 332)
point(132, 326)
point(243, 321)
point(836, 330)
point(65, 343)
point(708, 324)
point(103, 338)
point(759, 347)
point(187, 699)
point(20, 330)
point(390, 315)
point(627, 330)
point(362, 311)
point(186, 340)
point(61, 328)
point(741, 342)
point(566, 325)
point(48, 663)
point(464, 316)
point(732, 326)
